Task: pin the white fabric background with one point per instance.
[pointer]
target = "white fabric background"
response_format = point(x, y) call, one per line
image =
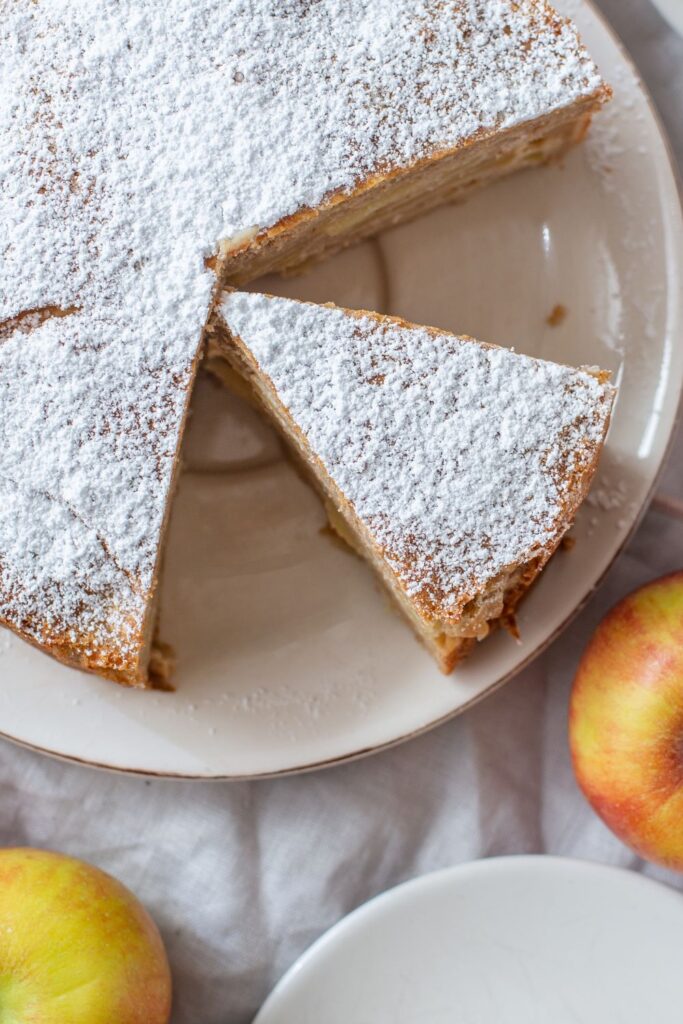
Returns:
point(243, 877)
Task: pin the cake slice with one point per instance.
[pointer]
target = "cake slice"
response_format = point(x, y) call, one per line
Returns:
point(454, 467)
point(90, 423)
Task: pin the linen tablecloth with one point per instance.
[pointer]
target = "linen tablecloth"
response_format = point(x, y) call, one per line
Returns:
point(241, 878)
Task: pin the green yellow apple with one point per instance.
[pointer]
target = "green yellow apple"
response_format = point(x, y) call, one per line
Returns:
point(626, 721)
point(76, 947)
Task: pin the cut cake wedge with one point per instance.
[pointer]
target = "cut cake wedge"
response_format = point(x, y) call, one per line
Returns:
point(454, 467)
point(90, 420)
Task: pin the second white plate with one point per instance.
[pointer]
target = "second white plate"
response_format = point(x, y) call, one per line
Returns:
point(514, 940)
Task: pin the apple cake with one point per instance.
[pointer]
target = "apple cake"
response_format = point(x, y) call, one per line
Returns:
point(452, 466)
point(149, 149)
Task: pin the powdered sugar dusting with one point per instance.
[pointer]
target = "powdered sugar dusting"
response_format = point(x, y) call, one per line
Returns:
point(89, 434)
point(458, 456)
point(324, 93)
point(133, 137)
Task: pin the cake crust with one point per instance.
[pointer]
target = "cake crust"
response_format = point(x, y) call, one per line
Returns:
point(383, 200)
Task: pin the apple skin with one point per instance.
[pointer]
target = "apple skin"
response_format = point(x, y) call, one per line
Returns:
point(76, 947)
point(626, 721)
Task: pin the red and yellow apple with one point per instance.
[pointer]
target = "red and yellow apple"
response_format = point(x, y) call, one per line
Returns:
point(626, 721)
point(76, 947)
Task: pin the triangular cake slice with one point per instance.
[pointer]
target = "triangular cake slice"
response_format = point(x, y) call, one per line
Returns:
point(454, 467)
point(91, 421)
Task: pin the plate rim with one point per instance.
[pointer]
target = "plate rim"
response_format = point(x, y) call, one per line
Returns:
point(356, 755)
point(459, 873)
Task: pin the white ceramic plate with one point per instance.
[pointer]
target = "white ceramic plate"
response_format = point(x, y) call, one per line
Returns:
point(672, 10)
point(289, 656)
point(514, 940)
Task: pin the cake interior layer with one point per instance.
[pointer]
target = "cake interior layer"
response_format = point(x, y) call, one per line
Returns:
point(389, 199)
point(448, 642)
